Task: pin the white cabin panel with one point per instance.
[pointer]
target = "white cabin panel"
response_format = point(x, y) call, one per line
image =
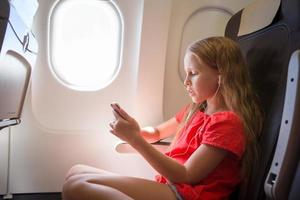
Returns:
point(154, 40)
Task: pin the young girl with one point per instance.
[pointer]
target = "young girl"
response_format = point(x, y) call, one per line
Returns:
point(214, 142)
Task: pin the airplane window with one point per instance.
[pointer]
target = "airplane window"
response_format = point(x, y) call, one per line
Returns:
point(85, 43)
point(205, 22)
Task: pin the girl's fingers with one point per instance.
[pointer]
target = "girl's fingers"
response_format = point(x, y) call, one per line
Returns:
point(124, 114)
point(116, 114)
point(121, 113)
point(111, 125)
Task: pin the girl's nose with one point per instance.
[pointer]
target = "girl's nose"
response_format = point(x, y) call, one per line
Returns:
point(187, 81)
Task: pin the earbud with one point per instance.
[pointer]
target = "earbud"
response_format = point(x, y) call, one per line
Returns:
point(219, 79)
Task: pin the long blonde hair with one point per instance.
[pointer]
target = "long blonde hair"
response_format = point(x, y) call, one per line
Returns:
point(235, 90)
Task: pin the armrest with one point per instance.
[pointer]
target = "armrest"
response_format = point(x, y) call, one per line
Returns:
point(7, 123)
point(123, 147)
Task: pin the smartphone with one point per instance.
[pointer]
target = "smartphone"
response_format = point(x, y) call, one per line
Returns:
point(117, 108)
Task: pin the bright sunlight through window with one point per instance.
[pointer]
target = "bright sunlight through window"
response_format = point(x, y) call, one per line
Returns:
point(85, 43)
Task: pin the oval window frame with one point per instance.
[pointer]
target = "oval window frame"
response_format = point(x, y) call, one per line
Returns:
point(119, 53)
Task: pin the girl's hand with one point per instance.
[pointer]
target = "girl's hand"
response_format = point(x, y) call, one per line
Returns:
point(124, 127)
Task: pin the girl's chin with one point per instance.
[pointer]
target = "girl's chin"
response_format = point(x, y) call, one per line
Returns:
point(196, 100)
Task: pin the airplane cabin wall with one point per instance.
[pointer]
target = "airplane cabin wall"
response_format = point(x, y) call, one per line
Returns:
point(62, 127)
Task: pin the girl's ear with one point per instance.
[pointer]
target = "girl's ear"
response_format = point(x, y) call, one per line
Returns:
point(219, 79)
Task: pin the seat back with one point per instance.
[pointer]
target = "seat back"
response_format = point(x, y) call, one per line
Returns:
point(287, 152)
point(267, 52)
point(295, 192)
point(18, 49)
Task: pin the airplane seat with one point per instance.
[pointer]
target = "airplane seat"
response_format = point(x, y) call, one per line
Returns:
point(268, 51)
point(18, 49)
point(295, 192)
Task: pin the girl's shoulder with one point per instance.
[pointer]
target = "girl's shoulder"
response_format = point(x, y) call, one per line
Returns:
point(226, 131)
point(227, 118)
point(225, 115)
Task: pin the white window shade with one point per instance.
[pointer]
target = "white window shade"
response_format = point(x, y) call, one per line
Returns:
point(85, 43)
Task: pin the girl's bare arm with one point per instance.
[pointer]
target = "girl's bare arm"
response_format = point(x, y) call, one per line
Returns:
point(162, 131)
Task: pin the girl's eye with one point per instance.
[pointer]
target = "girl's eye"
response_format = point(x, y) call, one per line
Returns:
point(192, 73)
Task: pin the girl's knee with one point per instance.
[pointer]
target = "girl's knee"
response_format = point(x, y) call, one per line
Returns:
point(80, 188)
point(75, 170)
point(80, 169)
point(73, 189)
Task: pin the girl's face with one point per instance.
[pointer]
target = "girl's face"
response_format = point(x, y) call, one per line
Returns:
point(201, 80)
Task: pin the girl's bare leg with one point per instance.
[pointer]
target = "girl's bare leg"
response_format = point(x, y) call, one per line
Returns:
point(84, 169)
point(88, 183)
